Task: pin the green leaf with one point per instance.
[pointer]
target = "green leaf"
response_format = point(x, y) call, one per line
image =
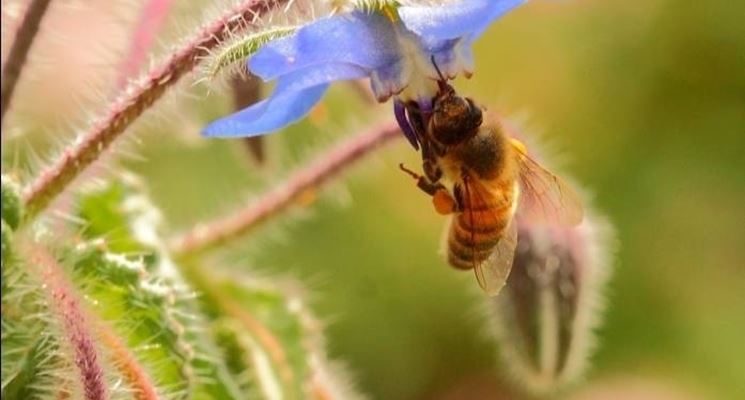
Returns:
point(12, 207)
point(19, 384)
point(141, 309)
point(30, 361)
point(243, 47)
point(264, 332)
point(120, 214)
point(7, 248)
point(132, 282)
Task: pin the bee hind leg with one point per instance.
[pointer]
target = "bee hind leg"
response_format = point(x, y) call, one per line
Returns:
point(443, 201)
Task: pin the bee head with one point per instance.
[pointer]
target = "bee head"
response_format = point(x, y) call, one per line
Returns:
point(454, 118)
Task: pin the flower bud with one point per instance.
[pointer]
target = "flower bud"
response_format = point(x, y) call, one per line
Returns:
point(546, 314)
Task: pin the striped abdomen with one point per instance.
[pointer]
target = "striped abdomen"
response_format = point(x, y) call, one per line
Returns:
point(476, 230)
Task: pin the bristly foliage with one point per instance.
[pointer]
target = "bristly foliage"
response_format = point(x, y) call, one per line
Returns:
point(375, 5)
point(243, 47)
point(97, 308)
point(155, 333)
point(266, 333)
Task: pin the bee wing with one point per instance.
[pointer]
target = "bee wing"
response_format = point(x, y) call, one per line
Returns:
point(493, 272)
point(544, 196)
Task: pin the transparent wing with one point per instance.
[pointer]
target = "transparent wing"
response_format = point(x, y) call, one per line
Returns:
point(544, 196)
point(493, 272)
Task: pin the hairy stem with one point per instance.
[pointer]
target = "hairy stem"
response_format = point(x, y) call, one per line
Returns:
point(127, 364)
point(138, 97)
point(19, 51)
point(78, 331)
point(325, 166)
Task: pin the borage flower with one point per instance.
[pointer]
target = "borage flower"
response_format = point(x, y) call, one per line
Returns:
point(397, 47)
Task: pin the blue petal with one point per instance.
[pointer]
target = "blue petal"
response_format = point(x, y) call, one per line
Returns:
point(295, 95)
point(389, 80)
point(367, 40)
point(399, 110)
point(467, 18)
point(268, 115)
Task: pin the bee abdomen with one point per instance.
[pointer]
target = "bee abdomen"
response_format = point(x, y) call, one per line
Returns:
point(474, 235)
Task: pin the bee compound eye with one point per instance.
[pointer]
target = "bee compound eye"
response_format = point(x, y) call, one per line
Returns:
point(475, 111)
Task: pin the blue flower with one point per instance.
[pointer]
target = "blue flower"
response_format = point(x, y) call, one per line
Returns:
point(395, 49)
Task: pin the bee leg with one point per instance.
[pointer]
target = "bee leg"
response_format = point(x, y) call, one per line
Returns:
point(422, 182)
point(416, 119)
point(442, 200)
point(432, 171)
point(429, 164)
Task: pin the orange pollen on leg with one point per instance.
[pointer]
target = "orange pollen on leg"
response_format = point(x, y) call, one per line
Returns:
point(443, 202)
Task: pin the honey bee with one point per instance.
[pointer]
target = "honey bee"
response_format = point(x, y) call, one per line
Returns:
point(493, 179)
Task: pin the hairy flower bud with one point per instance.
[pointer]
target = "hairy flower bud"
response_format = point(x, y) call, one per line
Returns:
point(552, 302)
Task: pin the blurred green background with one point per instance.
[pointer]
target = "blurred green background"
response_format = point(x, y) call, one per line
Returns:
point(645, 101)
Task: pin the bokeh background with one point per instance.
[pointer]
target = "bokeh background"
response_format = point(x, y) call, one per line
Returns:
point(644, 101)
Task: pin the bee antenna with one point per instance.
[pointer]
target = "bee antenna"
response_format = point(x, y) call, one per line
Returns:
point(442, 82)
point(439, 73)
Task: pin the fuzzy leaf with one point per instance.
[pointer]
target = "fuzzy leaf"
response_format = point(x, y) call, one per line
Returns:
point(142, 311)
point(242, 48)
point(17, 386)
point(7, 237)
point(12, 208)
point(274, 310)
point(142, 294)
point(265, 333)
point(30, 358)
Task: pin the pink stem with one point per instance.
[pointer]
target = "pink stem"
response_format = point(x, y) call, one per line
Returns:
point(319, 171)
point(128, 365)
point(74, 323)
point(19, 52)
point(138, 97)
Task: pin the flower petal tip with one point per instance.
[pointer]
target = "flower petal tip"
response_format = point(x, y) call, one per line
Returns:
point(458, 19)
